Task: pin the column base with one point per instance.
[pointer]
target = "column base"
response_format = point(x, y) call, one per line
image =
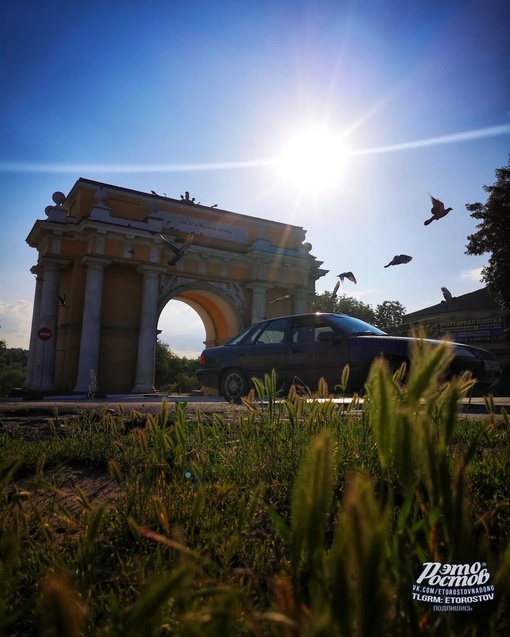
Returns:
point(143, 389)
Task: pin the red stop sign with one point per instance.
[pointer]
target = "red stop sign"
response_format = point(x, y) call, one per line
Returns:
point(44, 333)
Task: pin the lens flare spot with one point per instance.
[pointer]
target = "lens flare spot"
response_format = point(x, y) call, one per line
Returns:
point(313, 160)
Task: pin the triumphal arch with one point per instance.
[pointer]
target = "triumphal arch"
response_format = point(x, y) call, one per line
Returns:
point(110, 258)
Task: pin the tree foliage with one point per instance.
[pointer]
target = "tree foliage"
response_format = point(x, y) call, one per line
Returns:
point(13, 362)
point(15, 356)
point(493, 236)
point(387, 315)
point(172, 372)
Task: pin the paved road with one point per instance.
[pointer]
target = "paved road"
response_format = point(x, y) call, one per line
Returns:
point(30, 411)
point(151, 403)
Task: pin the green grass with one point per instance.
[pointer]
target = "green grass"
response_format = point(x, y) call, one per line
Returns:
point(297, 518)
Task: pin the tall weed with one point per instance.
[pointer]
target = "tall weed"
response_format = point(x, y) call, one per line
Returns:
point(298, 516)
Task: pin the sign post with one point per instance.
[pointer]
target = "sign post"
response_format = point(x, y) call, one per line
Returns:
point(44, 334)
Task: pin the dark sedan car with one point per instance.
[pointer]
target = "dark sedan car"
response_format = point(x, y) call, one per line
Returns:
point(305, 347)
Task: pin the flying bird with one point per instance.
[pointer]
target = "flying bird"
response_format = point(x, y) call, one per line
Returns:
point(335, 290)
point(280, 298)
point(62, 301)
point(178, 251)
point(438, 210)
point(398, 259)
point(446, 294)
point(347, 275)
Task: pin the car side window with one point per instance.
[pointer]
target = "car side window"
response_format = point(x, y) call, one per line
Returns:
point(251, 337)
point(306, 329)
point(273, 333)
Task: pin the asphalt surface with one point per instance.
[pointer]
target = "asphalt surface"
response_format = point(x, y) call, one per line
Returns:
point(151, 403)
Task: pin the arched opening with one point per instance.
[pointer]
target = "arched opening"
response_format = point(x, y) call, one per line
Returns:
point(189, 321)
point(221, 316)
point(182, 329)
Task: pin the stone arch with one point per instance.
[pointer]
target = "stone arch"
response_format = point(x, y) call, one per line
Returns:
point(218, 312)
point(110, 258)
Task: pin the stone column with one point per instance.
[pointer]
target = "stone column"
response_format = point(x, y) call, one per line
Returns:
point(44, 364)
point(32, 348)
point(300, 302)
point(91, 322)
point(258, 303)
point(144, 380)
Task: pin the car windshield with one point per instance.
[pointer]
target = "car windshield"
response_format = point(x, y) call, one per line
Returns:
point(253, 328)
point(352, 326)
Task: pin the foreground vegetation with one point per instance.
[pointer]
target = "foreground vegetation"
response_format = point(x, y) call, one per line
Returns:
point(296, 518)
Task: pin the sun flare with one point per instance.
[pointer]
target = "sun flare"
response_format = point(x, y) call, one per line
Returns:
point(313, 160)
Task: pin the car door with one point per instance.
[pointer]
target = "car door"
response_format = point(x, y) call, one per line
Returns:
point(310, 358)
point(266, 351)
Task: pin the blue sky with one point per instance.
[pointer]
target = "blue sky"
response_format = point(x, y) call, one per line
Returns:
point(201, 96)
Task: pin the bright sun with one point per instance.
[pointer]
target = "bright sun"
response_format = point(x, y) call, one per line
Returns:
point(313, 160)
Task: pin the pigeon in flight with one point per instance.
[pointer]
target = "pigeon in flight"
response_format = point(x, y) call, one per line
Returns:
point(347, 275)
point(446, 294)
point(62, 301)
point(178, 251)
point(438, 210)
point(280, 298)
point(398, 259)
point(335, 290)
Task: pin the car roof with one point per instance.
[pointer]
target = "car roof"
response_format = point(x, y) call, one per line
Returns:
point(272, 318)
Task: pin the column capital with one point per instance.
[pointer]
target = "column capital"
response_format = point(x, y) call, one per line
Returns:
point(151, 269)
point(58, 261)
point(256, 285)
point(96, 261)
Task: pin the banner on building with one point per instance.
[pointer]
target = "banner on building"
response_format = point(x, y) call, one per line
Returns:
point(481, 329)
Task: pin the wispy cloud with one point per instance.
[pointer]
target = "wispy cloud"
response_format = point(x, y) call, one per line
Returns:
point(15, 322)
point(362, 293)
point(30, 167)
point(466, 136)
point(74, 168)
point(473, 275)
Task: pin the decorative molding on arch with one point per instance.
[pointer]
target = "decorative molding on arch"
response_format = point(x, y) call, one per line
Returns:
point(221, 306)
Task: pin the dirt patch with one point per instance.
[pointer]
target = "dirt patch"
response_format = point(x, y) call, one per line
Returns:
point(36, 421)
point(98, 486)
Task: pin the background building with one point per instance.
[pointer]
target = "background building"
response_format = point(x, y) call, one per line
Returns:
point(473, 318)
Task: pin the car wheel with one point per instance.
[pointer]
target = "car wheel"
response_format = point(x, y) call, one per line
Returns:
point(233, 385)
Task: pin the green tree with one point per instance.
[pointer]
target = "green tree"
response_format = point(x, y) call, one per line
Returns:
point(325, 302)
point(13, 362)
point(493, 236)
point(16, 356)
point(172, 372)
point(389, 315)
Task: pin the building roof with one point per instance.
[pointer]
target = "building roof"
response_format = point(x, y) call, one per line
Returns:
point(90, 183)
point(478, 300)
